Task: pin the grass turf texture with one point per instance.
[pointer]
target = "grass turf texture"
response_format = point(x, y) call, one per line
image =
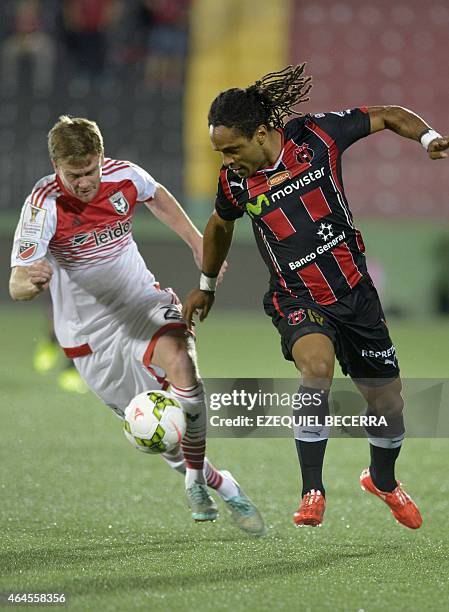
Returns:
point(84, 514)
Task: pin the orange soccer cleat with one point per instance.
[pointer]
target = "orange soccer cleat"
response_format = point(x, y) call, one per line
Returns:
point(402, 506)
point(311, 510)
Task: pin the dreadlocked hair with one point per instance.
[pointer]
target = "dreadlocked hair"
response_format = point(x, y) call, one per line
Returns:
point(269, 101)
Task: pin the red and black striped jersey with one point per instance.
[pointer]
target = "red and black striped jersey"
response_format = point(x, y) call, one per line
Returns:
point(300, 215)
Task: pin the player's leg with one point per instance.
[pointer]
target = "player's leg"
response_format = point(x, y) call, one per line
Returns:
point(214, 478)
point(243, 510)
point(370, 359)
point(385, 445)
point(385, 442)
point(314, 356)
point(175, 354)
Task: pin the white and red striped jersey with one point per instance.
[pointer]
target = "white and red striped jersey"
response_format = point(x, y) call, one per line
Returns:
point(99, 277)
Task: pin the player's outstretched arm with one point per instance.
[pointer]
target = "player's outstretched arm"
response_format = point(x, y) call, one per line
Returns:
point(26, 282)
point(216, 244)
point(167, 209)
point(406, 123)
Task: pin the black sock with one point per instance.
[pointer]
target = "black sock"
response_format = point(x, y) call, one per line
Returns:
point(382, 467)
point(311, 457)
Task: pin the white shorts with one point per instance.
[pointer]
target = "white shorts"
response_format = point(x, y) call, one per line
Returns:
point(124, 369)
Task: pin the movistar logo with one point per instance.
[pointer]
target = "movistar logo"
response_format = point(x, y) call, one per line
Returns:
point(254, 210)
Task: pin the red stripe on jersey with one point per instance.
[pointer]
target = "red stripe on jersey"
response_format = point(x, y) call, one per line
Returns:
point(331, 145)
point(35, 194)
point(316, 204)
point(279, 224)
point(276, 304)
point(227, 188)
point(115, 162)
point(257, 185)
point(109, 171)
point(359, 240)
point(346, 263)
point(274, 262)
point(38, 197)
point(77, 351)
point(316, 283)
point(52, 187)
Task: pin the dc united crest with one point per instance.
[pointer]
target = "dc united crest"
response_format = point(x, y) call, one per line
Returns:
point(120, 203)
point(304, 154)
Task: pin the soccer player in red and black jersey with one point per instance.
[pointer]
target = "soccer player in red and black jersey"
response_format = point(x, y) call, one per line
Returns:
point(288, 180)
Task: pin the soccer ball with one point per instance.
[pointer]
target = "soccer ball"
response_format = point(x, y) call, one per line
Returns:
point(154, 422)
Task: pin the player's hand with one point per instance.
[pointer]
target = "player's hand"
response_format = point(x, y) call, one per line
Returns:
point(40, 274)
point(197, 302)
point(437, 147)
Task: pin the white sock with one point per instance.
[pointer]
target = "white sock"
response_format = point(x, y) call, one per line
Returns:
point(227, 489)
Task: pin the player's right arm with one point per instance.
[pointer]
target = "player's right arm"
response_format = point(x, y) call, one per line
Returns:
point(31, 271)
point(26, 282)
point(217, 241)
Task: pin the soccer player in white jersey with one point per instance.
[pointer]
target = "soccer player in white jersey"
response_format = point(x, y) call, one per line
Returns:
point(124, 333)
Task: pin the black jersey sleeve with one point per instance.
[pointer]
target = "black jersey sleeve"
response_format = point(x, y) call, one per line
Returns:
point(344, 127)
point(225, 203)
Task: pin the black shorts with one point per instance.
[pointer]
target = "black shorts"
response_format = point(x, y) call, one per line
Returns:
point(355, 324)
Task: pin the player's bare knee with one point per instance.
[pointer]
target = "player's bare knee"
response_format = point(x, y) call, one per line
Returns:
point(387, 404)
point(317, 368)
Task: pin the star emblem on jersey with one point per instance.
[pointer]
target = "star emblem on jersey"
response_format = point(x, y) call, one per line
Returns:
point(120, 203)
point(304, 154)
point(325, 232)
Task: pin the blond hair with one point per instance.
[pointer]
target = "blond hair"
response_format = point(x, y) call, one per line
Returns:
point(72, 139)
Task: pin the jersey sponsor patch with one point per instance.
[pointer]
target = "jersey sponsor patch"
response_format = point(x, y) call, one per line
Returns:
point(255, 208)
point(80, 239)
point(27, 249)
point(120, 203)
point(32, 222)
point(109, 234)
point(279, 177)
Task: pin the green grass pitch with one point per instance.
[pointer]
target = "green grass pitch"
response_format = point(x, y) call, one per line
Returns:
point(84, 514)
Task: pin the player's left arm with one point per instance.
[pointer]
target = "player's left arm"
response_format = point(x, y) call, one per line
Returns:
point(408, 124)
point(169, 211)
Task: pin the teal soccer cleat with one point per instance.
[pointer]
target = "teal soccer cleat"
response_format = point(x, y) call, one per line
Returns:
point(201, 503)
point(245, 514)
